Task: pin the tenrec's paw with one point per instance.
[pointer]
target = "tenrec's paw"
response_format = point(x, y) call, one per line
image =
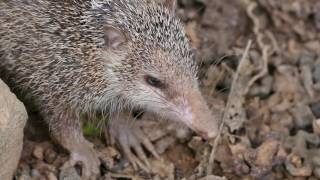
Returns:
point(86, 156)
point(130, 137)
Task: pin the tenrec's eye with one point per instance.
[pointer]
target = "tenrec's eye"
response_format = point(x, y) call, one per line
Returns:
point(152, 81)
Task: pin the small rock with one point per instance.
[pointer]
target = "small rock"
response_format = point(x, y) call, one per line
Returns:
point(162, 145)
point(156, 177)
point(50, 155)
point(317, 86)
point(24, 176)
point(316, 172)
point(13, 117)
point(315, 108)
point(28, 147)
point(60, 160)
point(307, 58)
point(316, 73)
point(107, 156)
point(260, 172)
point(23, 172)
point(183, 133)
point(43, 167)
point(212, 177)
point(38, 152)
point(296, 161)
point(302, 115)
point(51, 176)
point(163, 168)
point(121, 165)
point(107, 177)
point(267, 152)
point(264, 89)
point(296, 167)
point(264, 158)
point(301, 140)
point(306, 76)
point(316, 126)
point(107, 161)
point(35, 173)
point(196, 143)
point(281, 157)
point(317, 15)
point(314, 155)
point(313, 45)
point(69, 174)
point(110, 151)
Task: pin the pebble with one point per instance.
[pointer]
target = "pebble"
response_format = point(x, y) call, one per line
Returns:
point(183, 134)
point(302, 115)
point(60, 160)
point(43, 167)
point(317, 15)
point(107, 156)
point(23, 177)
point(307, 58)
point(50, 155)
point(315, 108)
point(23, 172)
point(107, 161)
point(296, 168)
point(38, 152)
point(69, 174)
point(51, 176)
point(196, 143)
point(264, 89)
point(163, 144)
point(316, 126)
point(163, 168)
point(313, 45)
point(107, 177)
point(212, 177)
point(315, 157)
point(316, 172)
point(316, 73)
point(35, 173)
point(110, 151)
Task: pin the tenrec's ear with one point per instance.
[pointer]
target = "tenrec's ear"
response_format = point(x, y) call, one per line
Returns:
point(171, 5)
point(114, 38)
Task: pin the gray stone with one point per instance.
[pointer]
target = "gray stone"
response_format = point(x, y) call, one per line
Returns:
point(307, 58)
point(316, 73)
point(316, 172)
point(212, 177)
point(315, 108)
point(303, 115)
point(69, 174)
point(13, 117)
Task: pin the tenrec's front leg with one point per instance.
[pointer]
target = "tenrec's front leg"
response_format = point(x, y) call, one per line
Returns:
point(128, 135)
point(67, 131)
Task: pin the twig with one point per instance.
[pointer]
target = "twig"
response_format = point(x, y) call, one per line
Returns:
point(267, 50)
point(264, 71)
point(235, 78)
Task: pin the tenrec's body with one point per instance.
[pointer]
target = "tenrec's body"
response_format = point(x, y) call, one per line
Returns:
point(76, 56)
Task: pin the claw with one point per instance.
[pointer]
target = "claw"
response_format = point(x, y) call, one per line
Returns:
point(140, 153)
point(85, 156)
point(130, 137)
point(136, 163)
point(149, 146)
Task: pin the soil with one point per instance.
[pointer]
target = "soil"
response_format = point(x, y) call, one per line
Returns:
point(271, 130)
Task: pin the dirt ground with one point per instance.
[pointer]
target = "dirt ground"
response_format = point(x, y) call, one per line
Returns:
point(267, 100)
